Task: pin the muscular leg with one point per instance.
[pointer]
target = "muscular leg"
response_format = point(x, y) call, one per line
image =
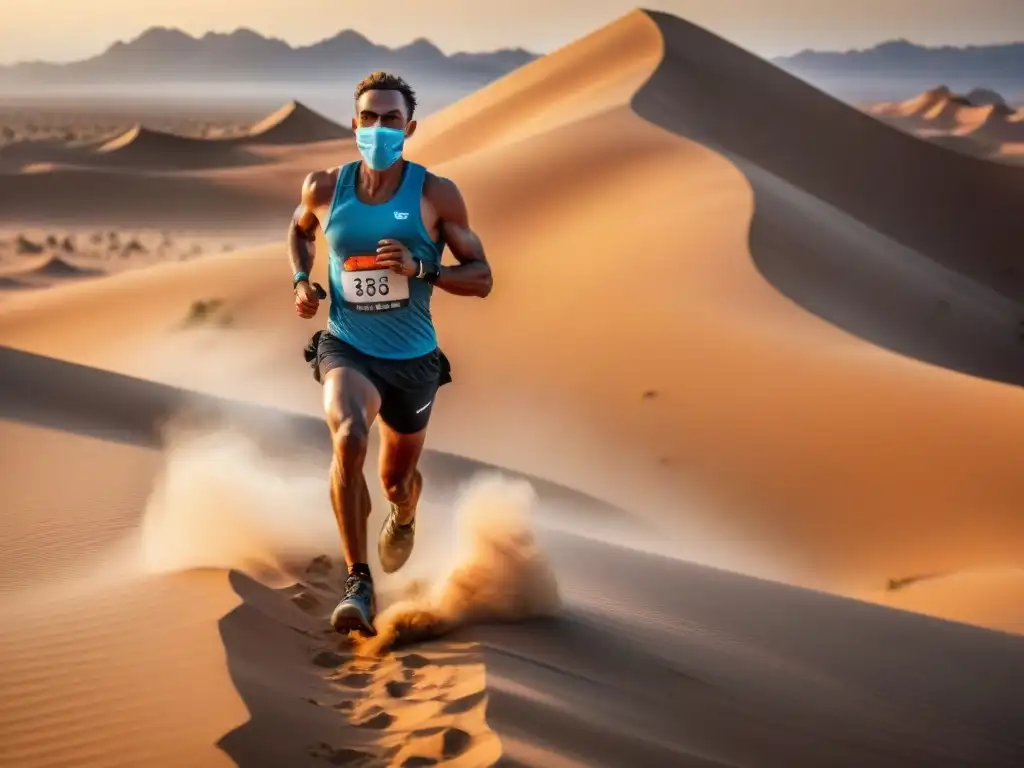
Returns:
point(351, 403)
point(399, 455)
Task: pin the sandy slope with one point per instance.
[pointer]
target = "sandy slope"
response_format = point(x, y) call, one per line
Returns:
point(664, 664)
point(722, 418)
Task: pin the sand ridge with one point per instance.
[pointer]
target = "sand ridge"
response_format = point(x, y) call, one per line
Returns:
point(716, 402)
point(142, 148)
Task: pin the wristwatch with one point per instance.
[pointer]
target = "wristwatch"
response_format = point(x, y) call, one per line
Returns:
point(429, 271)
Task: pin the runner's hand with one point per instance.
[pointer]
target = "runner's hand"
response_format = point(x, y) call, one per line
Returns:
point(306, 300)
point(392, 255)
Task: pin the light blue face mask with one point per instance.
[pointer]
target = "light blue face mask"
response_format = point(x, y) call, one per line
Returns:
point(380, 147)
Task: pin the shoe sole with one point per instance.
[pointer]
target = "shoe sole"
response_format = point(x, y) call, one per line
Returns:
point(394, 566)
point(348, 618)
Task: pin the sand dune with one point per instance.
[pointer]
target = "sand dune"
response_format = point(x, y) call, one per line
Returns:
point(243, 199)
point(295, 123)
point(797, 373)
point(142, 149)
point(15, 156)
point(56, 266)
point(46, 271)
point(986, 130)
point(221, 187)
point(917, 105)
point(953, 111)
point(9, 283)
point(959, 116)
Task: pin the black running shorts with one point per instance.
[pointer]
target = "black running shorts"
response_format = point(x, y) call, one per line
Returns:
point(407, 387)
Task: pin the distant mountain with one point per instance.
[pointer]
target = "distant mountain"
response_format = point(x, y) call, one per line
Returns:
point(162, 55)
point(914, 67)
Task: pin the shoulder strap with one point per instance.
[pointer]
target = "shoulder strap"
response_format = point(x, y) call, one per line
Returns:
point(344, 181)
point(416, 174)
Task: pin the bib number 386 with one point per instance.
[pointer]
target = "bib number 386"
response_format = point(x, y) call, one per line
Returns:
point(374, 290)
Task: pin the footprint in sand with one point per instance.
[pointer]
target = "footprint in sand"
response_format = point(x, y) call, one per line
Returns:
point(377, 722)
point(453, 742)
point(397, 689)
point(355, 680)
point(466, 703)
point(328, 659)
point(414, 661)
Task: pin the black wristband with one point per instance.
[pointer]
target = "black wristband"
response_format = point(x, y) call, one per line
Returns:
point(431, 271)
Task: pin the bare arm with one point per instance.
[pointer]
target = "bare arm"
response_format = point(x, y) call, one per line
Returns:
point(472, 275)
point(302, 229)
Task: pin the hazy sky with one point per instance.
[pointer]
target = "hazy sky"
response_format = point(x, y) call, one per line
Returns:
point(61, 30)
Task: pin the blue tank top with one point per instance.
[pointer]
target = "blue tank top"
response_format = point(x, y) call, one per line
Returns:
point(377, 311)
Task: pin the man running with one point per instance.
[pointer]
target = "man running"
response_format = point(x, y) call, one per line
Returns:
point(386, 222)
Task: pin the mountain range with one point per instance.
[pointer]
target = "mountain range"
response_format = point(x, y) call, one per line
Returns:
point(161, 54)
point(914, 67)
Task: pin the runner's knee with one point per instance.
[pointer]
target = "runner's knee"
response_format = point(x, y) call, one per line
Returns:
point(344, 414)
point(350, 435)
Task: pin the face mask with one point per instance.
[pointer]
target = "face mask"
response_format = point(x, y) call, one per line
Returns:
point(380, 147)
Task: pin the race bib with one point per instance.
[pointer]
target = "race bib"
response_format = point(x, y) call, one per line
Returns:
point(365, 287)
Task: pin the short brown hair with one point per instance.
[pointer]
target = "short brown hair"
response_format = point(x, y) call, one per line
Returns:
point(383, 81)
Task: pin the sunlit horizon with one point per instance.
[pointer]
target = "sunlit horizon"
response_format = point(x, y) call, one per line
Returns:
point(61, 30)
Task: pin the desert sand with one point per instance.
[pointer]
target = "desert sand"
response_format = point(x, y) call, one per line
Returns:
point(990, 128)
point(749, 379)
point(32, 259)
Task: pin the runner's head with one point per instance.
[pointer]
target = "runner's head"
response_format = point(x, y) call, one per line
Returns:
point(385, 105)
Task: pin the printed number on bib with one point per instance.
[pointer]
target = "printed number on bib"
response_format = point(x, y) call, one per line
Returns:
point(365, 287)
